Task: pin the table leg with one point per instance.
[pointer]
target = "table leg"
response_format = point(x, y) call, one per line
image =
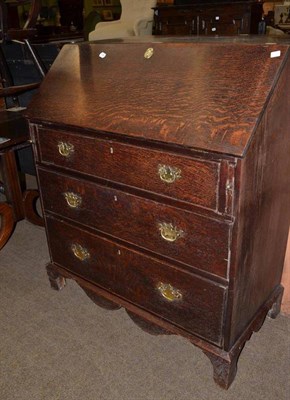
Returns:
point(11, 183)
point(23, 202)
point(6, 223)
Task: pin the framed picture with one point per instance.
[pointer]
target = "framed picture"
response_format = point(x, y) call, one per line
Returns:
point(98, 2)
point(108, 2)
point(107, 15)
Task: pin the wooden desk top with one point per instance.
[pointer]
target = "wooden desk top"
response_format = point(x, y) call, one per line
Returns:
point(179, 97)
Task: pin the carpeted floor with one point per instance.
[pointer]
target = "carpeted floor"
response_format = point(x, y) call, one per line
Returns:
point(59, 345)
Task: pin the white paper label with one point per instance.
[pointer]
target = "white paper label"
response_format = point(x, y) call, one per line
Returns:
point(213, 29)
point(217, 18)
point(275, 54)
point(102, 54)
point(16, 109)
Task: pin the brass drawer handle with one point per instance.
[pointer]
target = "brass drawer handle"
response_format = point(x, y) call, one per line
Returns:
point(168, 292)
point(169, 232)
point(149, 53)
point(80, 252)
point(65, 149)
point(73, 200)
point(169, 174)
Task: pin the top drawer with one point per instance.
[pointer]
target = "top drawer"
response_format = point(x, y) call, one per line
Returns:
point(175, 176)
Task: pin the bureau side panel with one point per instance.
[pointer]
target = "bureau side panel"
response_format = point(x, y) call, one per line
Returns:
point(263, 211)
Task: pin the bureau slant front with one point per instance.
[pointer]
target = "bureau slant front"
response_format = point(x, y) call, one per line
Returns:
point(163, 168)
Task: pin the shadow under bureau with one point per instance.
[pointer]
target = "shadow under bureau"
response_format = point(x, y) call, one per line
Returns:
point(163, 169)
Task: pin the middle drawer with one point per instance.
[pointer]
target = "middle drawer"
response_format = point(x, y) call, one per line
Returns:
point(171, 232)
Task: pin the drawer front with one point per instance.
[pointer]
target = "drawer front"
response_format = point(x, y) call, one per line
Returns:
point(169, 231)
point(182, 298)
point(178, 177)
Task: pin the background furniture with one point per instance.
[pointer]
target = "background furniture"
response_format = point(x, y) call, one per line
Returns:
point(71, 14)
point(282, 16)
point(20, 203)
point(12, 13)
point(208, 18)
point(136, 20)
point(53, 19)
point(180, 212)
point(16, 158)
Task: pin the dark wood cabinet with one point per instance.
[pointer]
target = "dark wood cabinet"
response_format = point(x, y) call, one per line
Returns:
point(226, 18)
point(163, 171)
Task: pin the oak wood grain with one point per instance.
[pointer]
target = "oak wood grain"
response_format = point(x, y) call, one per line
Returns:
point(227, 108)
point(203, 243)
point(263, 210)
point(134, 166)
point(175, 94)
point(135, 277)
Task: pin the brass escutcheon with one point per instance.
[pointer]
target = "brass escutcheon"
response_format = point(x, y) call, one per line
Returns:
point(73, 200)
point(149, 53)
point(168, 292)
point(168, 174)
point(65, 149)
point(80, 252)
point(169, 232)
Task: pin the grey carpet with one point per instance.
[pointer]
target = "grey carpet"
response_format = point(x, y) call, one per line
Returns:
point(59, 345)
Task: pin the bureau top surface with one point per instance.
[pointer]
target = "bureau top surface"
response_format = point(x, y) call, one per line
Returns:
point(201, 95)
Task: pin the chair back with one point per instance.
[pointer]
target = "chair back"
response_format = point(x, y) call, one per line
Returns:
point(15, 42)
point(133, 10)
point(136, 20)
point(28, 29)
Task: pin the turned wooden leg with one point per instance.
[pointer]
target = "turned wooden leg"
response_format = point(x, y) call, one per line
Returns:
point(7, 223)
point(29, 203)
point(224, 369)
point(57, 281)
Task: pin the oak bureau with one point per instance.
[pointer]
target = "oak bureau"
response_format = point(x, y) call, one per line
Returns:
point(163, 167)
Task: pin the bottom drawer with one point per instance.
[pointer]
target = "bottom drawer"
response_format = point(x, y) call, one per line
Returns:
point(192, 303)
